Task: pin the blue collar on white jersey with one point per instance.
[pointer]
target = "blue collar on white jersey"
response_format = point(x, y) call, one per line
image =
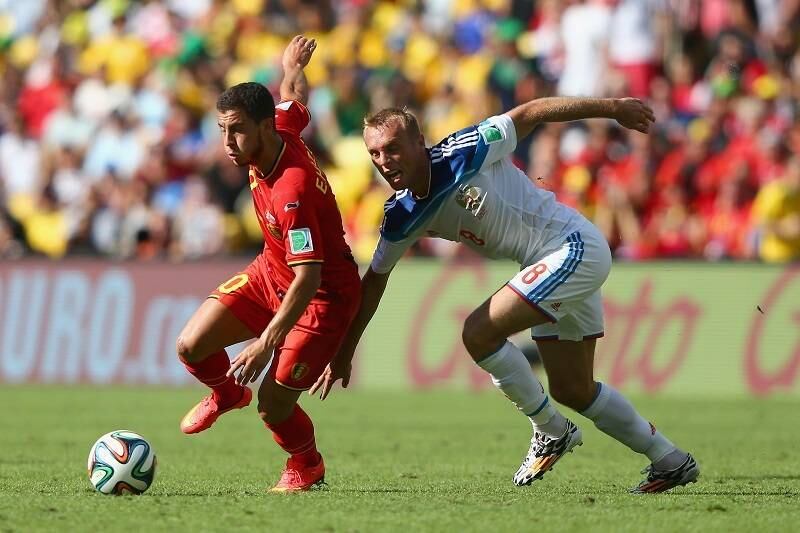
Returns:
point(452, 161)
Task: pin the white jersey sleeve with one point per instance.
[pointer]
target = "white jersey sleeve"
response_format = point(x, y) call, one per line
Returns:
point(499, 136)
point(472, 149)
point(388, 253)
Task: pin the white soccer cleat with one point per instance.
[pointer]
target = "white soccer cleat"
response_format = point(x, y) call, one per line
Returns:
point(545, 452)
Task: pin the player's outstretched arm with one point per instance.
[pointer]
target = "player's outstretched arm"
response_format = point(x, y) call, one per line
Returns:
point(373, 286)
point(631, 113)
point(294, 85)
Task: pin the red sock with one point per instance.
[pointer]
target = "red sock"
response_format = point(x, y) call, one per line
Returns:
point(296, 436)
point(211, 373)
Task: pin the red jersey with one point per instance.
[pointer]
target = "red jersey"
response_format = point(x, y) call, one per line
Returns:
point(297, 212)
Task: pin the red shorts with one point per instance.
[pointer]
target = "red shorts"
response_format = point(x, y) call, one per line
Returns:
point(314, 339)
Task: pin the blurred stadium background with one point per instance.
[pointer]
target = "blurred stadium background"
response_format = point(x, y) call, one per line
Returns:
point(109, 145)
point(119, 211)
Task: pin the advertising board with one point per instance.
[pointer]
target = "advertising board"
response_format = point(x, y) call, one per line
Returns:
point(670, 327)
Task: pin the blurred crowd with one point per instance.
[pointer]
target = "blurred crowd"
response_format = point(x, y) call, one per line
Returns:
point(109, 144)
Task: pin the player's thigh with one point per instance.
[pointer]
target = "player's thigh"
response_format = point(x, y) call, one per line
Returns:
point(520, 304)
point(570, 370)
point(569, 274)
point(294, 368)
point(237, 310)
point(211, 328)
point(501, 315)
point(303, 357)
point(312, 343)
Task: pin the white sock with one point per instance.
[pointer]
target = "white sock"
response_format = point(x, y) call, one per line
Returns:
point(513, 375)
point(616, 417)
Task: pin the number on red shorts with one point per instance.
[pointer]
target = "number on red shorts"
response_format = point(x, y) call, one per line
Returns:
point(534, 272)
point(236, 282)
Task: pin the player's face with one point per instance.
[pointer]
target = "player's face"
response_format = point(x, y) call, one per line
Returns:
point(242, 138)
point(399, 158)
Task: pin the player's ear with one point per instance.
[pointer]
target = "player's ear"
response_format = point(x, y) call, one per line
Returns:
point(267, 125)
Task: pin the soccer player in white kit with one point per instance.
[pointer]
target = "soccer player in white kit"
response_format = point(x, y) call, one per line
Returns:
point(466, 189)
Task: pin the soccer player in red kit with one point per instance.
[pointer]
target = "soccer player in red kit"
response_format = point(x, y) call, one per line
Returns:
point(297, 297)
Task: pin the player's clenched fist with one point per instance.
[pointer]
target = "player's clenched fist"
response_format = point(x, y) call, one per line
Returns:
point(634, 114)
point(298, 52)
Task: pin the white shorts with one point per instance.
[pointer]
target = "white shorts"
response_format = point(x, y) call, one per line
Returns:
point(564, 285)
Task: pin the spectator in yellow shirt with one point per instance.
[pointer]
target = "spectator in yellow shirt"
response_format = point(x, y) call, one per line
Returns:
point(777, 211)
point(124, 55)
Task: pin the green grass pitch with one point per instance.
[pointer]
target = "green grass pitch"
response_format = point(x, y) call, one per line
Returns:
point(433, 461)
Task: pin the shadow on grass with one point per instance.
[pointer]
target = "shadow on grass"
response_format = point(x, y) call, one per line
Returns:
point(695, 493)
point(740, 485)
point(678, 493)
point(386, 490)
point(765, 477)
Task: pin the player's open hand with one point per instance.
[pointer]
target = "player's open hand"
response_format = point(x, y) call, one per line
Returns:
point(298, 52)
point(252, 361)
point(634, 114)
point(333, 372)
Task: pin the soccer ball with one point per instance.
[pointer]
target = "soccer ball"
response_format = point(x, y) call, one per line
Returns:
point(121, 462)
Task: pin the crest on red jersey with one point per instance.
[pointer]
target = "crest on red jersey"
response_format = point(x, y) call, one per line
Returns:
point(299, 370)
point(272, 226)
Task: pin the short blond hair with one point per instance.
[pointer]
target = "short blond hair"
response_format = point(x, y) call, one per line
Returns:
point(389, 115)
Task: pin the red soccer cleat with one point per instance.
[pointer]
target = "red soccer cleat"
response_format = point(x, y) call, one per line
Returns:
point(298, 478)
point(205, 413)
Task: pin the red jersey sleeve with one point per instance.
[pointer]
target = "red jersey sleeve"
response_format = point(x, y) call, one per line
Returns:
point(291, 116)
point(295, 206)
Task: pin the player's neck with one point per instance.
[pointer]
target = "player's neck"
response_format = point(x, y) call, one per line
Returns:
point(268, 160)
point(423, 188)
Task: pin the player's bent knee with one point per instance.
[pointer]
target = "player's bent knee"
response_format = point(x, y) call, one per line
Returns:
point(185, 348)
point(470, 336)
point(479, 337)
point(189, 348)
point(576, 396)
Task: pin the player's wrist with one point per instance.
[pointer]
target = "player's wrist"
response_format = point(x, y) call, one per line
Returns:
point(344, 356)
point(275, 333)
point(614, 107)
point(292, 69)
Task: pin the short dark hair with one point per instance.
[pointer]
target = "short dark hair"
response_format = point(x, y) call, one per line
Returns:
point(394, 114)
point(250, 97)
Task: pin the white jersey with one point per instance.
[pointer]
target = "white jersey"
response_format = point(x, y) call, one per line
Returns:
point(477, 197)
